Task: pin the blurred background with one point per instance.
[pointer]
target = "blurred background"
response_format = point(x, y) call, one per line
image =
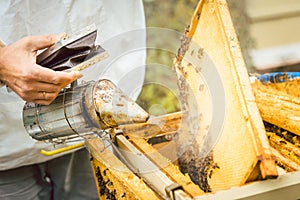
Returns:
point(268, 32)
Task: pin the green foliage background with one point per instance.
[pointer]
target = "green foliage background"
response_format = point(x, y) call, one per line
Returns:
point(172, 14)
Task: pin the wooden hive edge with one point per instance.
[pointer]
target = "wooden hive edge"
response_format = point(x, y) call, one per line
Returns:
point(171, 170)
point(115, 178)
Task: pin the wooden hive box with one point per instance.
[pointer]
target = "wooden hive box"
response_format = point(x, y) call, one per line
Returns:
point(241, 152)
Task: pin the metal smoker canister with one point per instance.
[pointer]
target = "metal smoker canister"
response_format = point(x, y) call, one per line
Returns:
point(81, 110)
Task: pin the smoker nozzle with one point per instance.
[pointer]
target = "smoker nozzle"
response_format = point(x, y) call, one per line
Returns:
point(114, 107)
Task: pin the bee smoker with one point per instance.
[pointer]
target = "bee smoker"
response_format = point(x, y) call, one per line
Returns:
point(84, 109)
point(80, 111)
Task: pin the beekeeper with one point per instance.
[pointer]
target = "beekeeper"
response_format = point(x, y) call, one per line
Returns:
point(26, 27)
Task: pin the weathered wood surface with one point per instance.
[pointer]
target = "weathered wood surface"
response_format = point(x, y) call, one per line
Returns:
point(242, 143)
point(157, 126)
point(171, 170)
point(286, 163)
point(113, 178)
point(286, 148)
point(154, 126)
point(279, 104)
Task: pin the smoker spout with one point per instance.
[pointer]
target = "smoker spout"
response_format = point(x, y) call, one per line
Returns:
point(114, 107)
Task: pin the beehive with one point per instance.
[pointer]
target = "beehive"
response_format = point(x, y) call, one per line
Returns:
point(241, 152)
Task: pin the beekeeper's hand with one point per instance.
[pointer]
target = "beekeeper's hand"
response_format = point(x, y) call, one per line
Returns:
point(19, 71)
